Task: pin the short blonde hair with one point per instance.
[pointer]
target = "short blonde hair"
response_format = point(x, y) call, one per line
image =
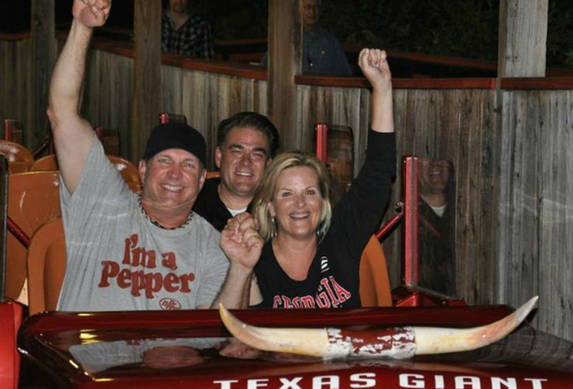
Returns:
point(266, 191)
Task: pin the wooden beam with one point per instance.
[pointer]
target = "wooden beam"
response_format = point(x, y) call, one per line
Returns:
point(285, 52)
point(147, 71)
point(522, 38)
point(44, 52)
point(521, 53)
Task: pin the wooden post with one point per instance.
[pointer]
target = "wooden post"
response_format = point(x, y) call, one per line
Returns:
point(521, 53)
point(284, 62)
point(147, 70)
point(522, 38)
point(44, 53)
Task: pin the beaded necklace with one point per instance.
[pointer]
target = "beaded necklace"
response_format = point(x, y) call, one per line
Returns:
point(156, 223)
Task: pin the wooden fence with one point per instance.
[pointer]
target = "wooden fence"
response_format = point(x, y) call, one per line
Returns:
point(204, 97)
point(509, 145)
point(16, 82)
point(536, 200)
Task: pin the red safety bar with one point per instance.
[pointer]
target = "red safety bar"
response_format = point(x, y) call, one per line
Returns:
point(10, 127)
point(321, 142)
point(410, 226)
point(388, 227)
point(47, 144)
point(163, 118)
point(17, 232)
point(166, 117)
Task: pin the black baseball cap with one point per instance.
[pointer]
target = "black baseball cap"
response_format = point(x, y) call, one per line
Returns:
point(176, 136)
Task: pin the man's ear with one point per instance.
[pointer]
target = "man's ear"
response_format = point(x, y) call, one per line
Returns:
point(142, 169)
point(202, 179)
point(218, 157)
point(268, 162)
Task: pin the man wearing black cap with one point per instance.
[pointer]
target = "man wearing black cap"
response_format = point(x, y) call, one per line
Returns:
point(130, 252)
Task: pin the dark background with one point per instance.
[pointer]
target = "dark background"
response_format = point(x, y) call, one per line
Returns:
point(460, 28)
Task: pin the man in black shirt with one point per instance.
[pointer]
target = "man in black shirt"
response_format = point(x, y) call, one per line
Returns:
point(246, 144)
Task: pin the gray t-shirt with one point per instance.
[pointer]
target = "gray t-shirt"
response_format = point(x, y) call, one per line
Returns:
point(118, 260)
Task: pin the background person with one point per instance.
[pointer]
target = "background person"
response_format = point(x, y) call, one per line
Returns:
point(184, 33)
point(436, 226)
point(246, 144)
point(322, 52)
point(124, 251)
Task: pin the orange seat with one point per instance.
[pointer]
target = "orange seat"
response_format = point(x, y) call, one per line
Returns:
point(19, 157)
point(46, 262)
point(374, 280)
point(213, 174)
point(33, 199)
point(47, 163)
point(128, 170)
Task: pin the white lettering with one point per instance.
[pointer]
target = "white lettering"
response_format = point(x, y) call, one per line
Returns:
point(536, 383)
point(510, 383)
point(439, 382)
point(363, 380)
point(467, 381)
point(369, 380)
point(411, 381)
point(326, 382)
point(292, 383)
point(225, 384)
point(258, 383)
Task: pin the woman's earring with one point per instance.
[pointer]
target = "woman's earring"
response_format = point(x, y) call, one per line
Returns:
point(274, 230)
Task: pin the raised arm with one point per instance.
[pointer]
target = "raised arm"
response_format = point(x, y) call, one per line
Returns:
point(73, 135)
point(376, 69)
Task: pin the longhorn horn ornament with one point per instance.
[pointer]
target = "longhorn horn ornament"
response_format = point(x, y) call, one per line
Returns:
point(396, 343)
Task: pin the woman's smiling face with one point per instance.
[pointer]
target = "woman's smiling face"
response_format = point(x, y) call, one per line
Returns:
point(297, 203)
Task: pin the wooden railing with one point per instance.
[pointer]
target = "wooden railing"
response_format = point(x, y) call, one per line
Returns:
point(509, 140)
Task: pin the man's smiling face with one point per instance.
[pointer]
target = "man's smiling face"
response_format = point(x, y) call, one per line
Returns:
point(172, 178)
point(242, 161)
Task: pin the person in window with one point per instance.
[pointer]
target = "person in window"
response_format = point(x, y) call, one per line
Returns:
point(322, 52)
point(436, 226)
point(185, 33)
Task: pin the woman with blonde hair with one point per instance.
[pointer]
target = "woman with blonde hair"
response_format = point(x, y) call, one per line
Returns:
point(310, 254)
